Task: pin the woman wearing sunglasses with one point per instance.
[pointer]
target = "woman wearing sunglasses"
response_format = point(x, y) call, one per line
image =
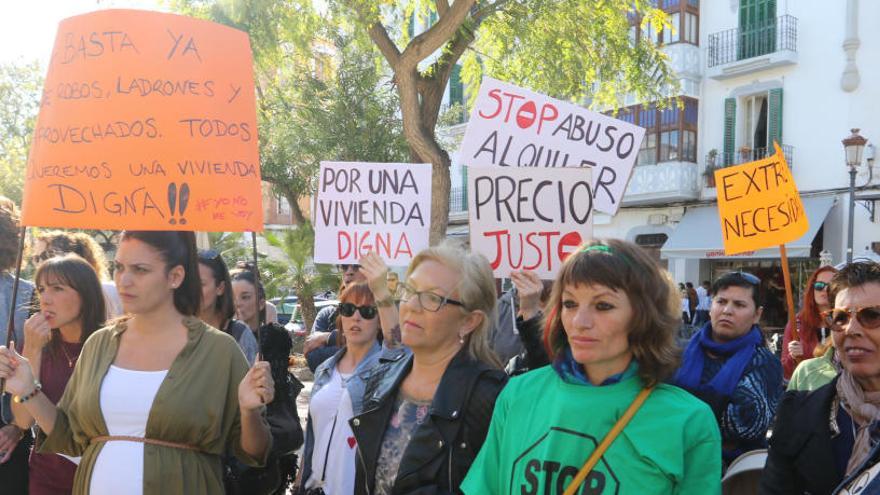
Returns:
point(827, 436)
point(810, 326)
point(427, 405)
point(328, 460)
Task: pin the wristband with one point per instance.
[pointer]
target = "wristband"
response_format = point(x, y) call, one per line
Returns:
point(22, 399)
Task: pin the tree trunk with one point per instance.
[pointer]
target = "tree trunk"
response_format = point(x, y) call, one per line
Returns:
point(307, 307)
point(295, 210)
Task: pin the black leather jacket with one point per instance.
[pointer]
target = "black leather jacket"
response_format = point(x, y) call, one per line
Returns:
point(443, 448)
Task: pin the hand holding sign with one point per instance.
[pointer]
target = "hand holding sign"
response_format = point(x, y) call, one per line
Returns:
point(147, 121)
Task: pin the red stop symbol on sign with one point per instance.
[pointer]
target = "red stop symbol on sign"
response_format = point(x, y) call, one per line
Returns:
point(568, 244)
point(526, 115)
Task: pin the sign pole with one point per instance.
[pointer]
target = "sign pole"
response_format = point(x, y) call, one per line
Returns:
point(260, 321)
point(789, 297)
point(10, 325)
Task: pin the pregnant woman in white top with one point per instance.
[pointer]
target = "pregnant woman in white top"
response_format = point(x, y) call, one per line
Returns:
point(160, 372)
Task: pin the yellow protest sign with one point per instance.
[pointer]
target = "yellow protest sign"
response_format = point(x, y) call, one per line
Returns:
point(759, 205)
point(147, 121)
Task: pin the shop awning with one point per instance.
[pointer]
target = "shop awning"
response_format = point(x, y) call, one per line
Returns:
point(698, 235)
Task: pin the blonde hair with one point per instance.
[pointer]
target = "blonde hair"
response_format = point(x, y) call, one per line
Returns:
point(476, 290)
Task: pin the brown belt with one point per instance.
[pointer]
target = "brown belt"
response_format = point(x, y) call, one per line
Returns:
point(151, 441)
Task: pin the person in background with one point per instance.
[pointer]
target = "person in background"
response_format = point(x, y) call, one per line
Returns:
point(321, 343)
point(249, 297)
point(811, 374)
point(338, 394)
point(218, 308)
point(610, 326)
point(685, 304)
point(531, 292)
point(57, 242)
point(15, 443)
point(824, 441)
point(728, 366)
point(427, 406)
point(393, 280)
point(54, 337)
point(693, 300)
point(704, 304)
point(809, 322)
point(129, 409)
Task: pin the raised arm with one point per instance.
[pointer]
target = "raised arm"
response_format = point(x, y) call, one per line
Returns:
point(375, 271)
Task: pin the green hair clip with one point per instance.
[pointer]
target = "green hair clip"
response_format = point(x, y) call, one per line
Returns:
point(598, 247)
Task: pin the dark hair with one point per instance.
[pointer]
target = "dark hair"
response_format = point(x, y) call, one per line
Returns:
point(176, 248)
point(223, 305)
point(9, 232)
point(60, 242)
point(248, 275)
point(854, 275)
point(78, 274)
point(359, 294)
point(623, 266)
point(739, 279)
point(689, 285)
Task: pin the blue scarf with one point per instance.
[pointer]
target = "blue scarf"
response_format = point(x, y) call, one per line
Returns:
point(572, 372)
point(738, 352)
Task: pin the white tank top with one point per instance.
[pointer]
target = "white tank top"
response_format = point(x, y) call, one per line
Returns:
point(126, 399)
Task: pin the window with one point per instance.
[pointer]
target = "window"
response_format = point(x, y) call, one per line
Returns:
point(691, 35)
point(673, 35)
point(670, 133)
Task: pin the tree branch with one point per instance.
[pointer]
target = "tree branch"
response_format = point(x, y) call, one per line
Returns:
point(489, 9)
point(378, 34)
point(442, 7)
point(429, 41)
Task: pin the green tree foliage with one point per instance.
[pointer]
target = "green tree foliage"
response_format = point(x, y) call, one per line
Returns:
point(571, 49)
point(305, 277)
point(21, 85)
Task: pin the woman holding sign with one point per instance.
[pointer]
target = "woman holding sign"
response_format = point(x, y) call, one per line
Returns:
point(811, 328)
point(427, 406)
point(610, 326)
point(54, 338)
point(158, 397)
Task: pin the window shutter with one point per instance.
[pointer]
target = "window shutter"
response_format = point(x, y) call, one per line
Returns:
point(412, 25)
point(464, 188)
point(456, 87)
point(729, 130)
point(774, 114)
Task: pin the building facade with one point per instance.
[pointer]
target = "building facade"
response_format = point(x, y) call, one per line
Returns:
point(751, 72)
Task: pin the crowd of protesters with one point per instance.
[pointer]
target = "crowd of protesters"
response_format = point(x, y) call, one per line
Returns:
point(172, 377)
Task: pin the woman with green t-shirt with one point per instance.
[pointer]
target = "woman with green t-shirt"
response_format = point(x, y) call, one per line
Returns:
point(610, 327)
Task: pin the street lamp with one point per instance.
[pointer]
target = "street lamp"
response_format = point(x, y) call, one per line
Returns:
point(854, 146)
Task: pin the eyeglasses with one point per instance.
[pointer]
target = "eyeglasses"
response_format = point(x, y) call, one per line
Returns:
point(344, 268)
point(427, 300)
point(837, 318)
point(367, 312)
point(208, 254)
point(821, 286)
point(748, 277)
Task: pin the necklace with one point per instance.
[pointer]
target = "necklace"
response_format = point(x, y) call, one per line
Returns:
point(70, 360)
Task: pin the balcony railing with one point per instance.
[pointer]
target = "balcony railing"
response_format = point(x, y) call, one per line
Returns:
point(715, 161)
point(739, 44)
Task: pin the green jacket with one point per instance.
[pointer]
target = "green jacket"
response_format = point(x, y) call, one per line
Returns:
point(197, 405)
point(814, 373)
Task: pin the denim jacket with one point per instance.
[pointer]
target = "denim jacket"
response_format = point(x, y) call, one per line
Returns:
point(22, 303)
point(355, 386)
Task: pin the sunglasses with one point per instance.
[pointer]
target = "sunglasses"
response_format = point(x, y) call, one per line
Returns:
point(344, 268)
point(837, 318)
point(748, 277)
point(37, 258)
point(208, 254)
point(367, 312)
point(821, 286)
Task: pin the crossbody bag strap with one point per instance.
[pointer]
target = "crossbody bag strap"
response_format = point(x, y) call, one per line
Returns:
point(327, 453)
point(606, 442)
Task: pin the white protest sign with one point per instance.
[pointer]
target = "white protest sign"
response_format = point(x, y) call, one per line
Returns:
point(528, 218)
point(381, 207)
point(514, 127)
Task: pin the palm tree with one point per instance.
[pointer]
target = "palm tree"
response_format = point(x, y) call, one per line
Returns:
point(302, 275)
point(230, 245)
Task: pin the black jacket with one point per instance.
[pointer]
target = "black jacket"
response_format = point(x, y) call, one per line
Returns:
point(801, 459)
point(442, 448)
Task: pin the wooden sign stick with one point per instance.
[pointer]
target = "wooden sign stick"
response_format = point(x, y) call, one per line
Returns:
point(789, 297)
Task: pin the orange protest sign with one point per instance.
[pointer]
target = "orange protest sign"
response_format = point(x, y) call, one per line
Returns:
point(147, 121)
point(759, 205)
